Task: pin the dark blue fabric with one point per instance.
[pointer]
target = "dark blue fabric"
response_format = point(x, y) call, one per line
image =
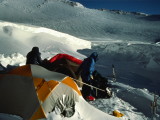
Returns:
point(34, 56)
point(88, 65)
point(86, 90)
point(87, 68)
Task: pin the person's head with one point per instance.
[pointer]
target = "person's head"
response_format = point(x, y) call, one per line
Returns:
point(35, 49)
point(94, 55)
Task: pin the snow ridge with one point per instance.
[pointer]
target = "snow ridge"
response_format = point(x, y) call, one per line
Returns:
point(121, 12)
point(72, 3)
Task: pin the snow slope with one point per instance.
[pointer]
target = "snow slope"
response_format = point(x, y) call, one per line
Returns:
point(80, 21)
point(137, 63)
point(129, 41)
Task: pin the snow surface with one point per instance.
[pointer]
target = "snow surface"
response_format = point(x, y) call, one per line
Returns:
point(129, 41)
point(20, 39)
point(81, 22)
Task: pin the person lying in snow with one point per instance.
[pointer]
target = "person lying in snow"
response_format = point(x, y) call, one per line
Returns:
point(86, 70)
point(34, 57)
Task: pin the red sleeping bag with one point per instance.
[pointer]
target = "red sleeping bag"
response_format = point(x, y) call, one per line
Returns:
point(65, 56)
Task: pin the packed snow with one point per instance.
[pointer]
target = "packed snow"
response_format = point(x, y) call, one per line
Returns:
point(129, 41)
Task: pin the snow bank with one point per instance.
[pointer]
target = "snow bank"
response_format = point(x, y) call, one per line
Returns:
point(15, 59)
point(19, 39)
point(139, 98)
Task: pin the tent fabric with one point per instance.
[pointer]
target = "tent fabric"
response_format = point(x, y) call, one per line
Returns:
point(65, 64)
point(65, 56)
point(50, 102)
point(65, 106)
point(32, 91)
point(17, 96)
point(49, 75)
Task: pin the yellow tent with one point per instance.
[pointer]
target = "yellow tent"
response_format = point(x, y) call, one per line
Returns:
point(32, 91)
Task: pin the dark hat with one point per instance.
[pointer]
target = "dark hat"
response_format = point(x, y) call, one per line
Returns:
point(94, 55)
point(35, 49)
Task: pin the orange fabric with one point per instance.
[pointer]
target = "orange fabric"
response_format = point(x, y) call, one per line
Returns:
point(44, 89)
point(117, 114)
point(43, 92)
point(38, 114)
point(38, 82)
point(22, 70)
point(68, 81)
point(52, 84)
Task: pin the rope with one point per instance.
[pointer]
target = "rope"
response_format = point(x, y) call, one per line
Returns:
point(90, 85)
